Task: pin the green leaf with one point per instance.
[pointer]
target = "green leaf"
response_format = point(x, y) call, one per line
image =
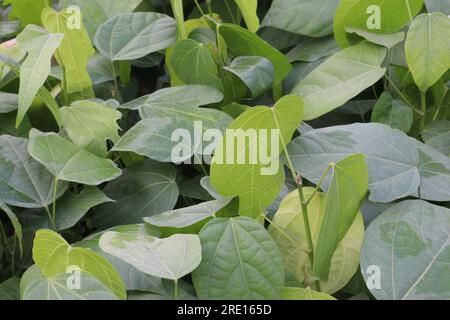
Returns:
point(393, 112)
point(256, 181)
point(9, 289)
point(16, 224)
point(345, 196)
point(386, 40)
point(313, 18)
point(8, 102)
point(72, 207)
point(68, 162)
point(144, 189)
point(35, 286)
point(312, 49)
point(156, 136)
point(427, 47)
point(193, 63)
point(438, 5)
point(28, 12)
point(248, 10)
point(53, 255)
point(288, 231)
point(340, 78)
point(289, 293)
point(412, 236)
point(365, 15)
point(256, 72)
point(170, 258)
point(40, 46)
point(24, 182)
point(73, 54)
point(437, 136)
point(242, 42)
point(134, 35)
point(89, 125)
point(240, 261)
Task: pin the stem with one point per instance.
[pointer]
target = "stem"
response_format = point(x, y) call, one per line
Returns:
point(116, 84)
point(319, 185)
point(175, 289)
point(55, 190)
point(50, 217)
point(177, 8)
point(199, 8)
point(423, 104)
point(403, 97)
point(64, 87)
point(13, 257)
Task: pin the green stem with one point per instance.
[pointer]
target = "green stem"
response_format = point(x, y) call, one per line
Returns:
point(13, 257)
point(116, 84)
point(55, 190)
point(319, 185)
point(199, 7)
point(423, 105)
point(403, 97)
point(175, 289)
point(177, 8)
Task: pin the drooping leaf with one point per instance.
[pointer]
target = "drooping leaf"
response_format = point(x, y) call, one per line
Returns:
point(437, 136)
point(288, 231)
point(289, 293)
point(386, 40)
point(427, 47)
point(170, 258)
point(53, 255)
point(237, 170)
point(73, 54)
point(15, 222)
point(134, 35)
point(393, 112)
point(340, 78)
point(377, 16)
point(68, 162)
point(89, 125)
point(144, 189)
point(256, 72)
point(240, 261)
point(242, 42)
point(24, 182)
point(40, 46)
point(28, 12)
point(313, 18)
point(248, 10)
point(345, 196)
point(413, 236)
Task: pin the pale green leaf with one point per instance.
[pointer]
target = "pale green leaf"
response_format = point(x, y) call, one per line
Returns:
point(386, 40)
point(248, 10)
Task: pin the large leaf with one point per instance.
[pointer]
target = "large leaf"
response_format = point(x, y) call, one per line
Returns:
point(89, 125)
point(427, 48)
point(73, 54)
point(340, 78)
point(156, 136)
point(170, 258)
point(143, 190)
point(134, 35)
point(256, 72)
point(313, 18)
point(35, 286)
point(53, 255)
point(237, 170)
point(28, 12)
point(393, 112)
point(193, 63)
point(345, 196)
point(24, 182)
point(363, 14)
point(40, 46)
point(411, 236)
point(240, 261)
point(437, 136)
point(288, 230)
point(399, 166)
point(68, 162)
point(248, 10)
point(242, 42)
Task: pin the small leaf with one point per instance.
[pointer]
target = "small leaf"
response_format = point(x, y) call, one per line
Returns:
point(8, 102)
point(437, 136)
point(386, 40)
point(393, 112)
point(248, 10)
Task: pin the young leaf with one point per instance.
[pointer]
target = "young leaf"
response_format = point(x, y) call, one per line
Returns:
point(288, 231)
point(345, 196)
point(248, 10)
point(240, 261)
point(377, 16)
point(68, 162)
point(257, 182)
point(40, 46)
point(73, 54)
point(134, 35)
point(340, 78)
point(242, 42)
point(412, 236)
point(28, 12)
point(427, 48)
point(313, 18)
point(89, 125)
point(170, 258)
point(393, 112)
point(53, 255)
point(24, 182)
point(256, 72)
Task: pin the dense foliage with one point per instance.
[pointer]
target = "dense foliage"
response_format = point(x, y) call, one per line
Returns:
point(121, 178)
